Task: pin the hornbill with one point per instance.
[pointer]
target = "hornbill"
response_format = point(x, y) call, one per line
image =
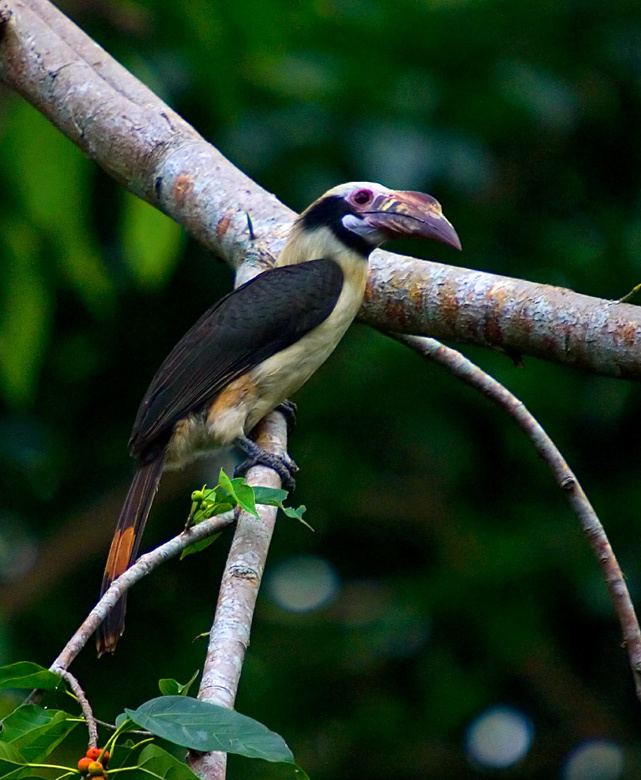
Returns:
point(256, 346)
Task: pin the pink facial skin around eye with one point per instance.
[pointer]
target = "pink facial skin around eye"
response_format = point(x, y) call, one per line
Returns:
point(362, 197)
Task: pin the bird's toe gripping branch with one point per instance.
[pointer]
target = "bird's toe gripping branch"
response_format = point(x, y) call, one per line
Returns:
point(283, 465)
point(289, 410)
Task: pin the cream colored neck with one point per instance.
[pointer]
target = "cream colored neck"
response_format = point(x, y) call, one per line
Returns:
point(303, 245)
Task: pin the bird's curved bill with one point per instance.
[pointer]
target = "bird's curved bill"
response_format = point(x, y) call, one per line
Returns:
point(406, 213)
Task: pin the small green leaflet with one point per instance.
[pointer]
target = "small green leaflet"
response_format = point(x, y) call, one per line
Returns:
point(197, 547)
point(12, 764)
point(36, 732)
point(229, 493)
point(269, 496)
point(275, 497)
point(158, 763)
point(25, 674)
point(207, 502)
point(201, 726)
point(239, 491)
point(171, 687)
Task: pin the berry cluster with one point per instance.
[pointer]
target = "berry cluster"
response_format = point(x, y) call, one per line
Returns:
point(94, 763)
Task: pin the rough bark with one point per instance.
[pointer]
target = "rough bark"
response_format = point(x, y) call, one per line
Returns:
point(229, 635)
point(147, 147)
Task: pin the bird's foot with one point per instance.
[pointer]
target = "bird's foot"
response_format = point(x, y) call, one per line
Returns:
point(283, 465)
point(289, 410)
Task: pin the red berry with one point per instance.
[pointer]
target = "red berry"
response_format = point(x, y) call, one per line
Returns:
point(97, 754)
point(95, 769)
point(83, 764)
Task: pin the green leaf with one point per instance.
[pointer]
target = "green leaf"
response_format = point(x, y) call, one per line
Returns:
point(240, 492)
point(12, 766)
point(270, 496)
point(296, 514)
point(151, 242)
point(36, 732)
point(25, 674)
point(225, 482)
point(197, 547)
point(245, 496)
point(160, 764)
point(170, 687)
point(275, 497)
point(120, 720)
point(122, 754)
point(207, 502)
point(199, 725)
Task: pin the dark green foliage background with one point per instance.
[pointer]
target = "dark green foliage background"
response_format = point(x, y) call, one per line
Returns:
point(465, 579)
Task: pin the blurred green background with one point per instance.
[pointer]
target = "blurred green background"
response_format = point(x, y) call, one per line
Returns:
point(447, 618)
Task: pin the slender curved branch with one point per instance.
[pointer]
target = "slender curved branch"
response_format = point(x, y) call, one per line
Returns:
point(464, 369)
point(75, 686)
point(147, 147)
point(143, 566)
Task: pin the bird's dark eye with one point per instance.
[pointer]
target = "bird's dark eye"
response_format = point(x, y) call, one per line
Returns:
point(362, 197)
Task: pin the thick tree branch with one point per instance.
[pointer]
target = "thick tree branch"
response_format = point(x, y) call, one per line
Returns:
point(229, 636)
point(552, 323)
point(464, 369)
point(149, 149)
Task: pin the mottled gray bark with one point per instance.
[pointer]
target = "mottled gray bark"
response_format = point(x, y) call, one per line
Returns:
point(147, 147)
point(229, 635)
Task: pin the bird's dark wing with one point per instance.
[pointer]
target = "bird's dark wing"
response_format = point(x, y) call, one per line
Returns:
point(257, 320)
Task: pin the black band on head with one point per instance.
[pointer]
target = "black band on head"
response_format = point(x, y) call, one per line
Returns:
point(329, 212)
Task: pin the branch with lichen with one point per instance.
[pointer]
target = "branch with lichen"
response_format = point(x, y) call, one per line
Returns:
point(565, 478)
point(152, 151)
point(242, 576)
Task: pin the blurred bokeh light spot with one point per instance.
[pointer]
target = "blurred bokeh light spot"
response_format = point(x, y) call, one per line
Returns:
point(498, 738)
point(303, 584)
point(598, 759)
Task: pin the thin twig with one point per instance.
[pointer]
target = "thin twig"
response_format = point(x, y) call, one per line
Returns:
point(464, 369)
point(630, 295)
point(229, 636)
point(143, 566)
point(75, 686)
point(112, 727)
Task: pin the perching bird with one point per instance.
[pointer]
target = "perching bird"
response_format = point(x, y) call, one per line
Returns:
point(256, 346)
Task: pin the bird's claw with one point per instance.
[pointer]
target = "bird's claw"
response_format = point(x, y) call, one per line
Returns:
point(283, 465)
point(289, 410)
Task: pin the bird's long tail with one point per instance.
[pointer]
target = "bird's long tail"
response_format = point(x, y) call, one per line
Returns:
point(124, 547)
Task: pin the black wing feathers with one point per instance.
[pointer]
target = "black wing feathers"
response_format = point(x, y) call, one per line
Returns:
point(263, 316)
